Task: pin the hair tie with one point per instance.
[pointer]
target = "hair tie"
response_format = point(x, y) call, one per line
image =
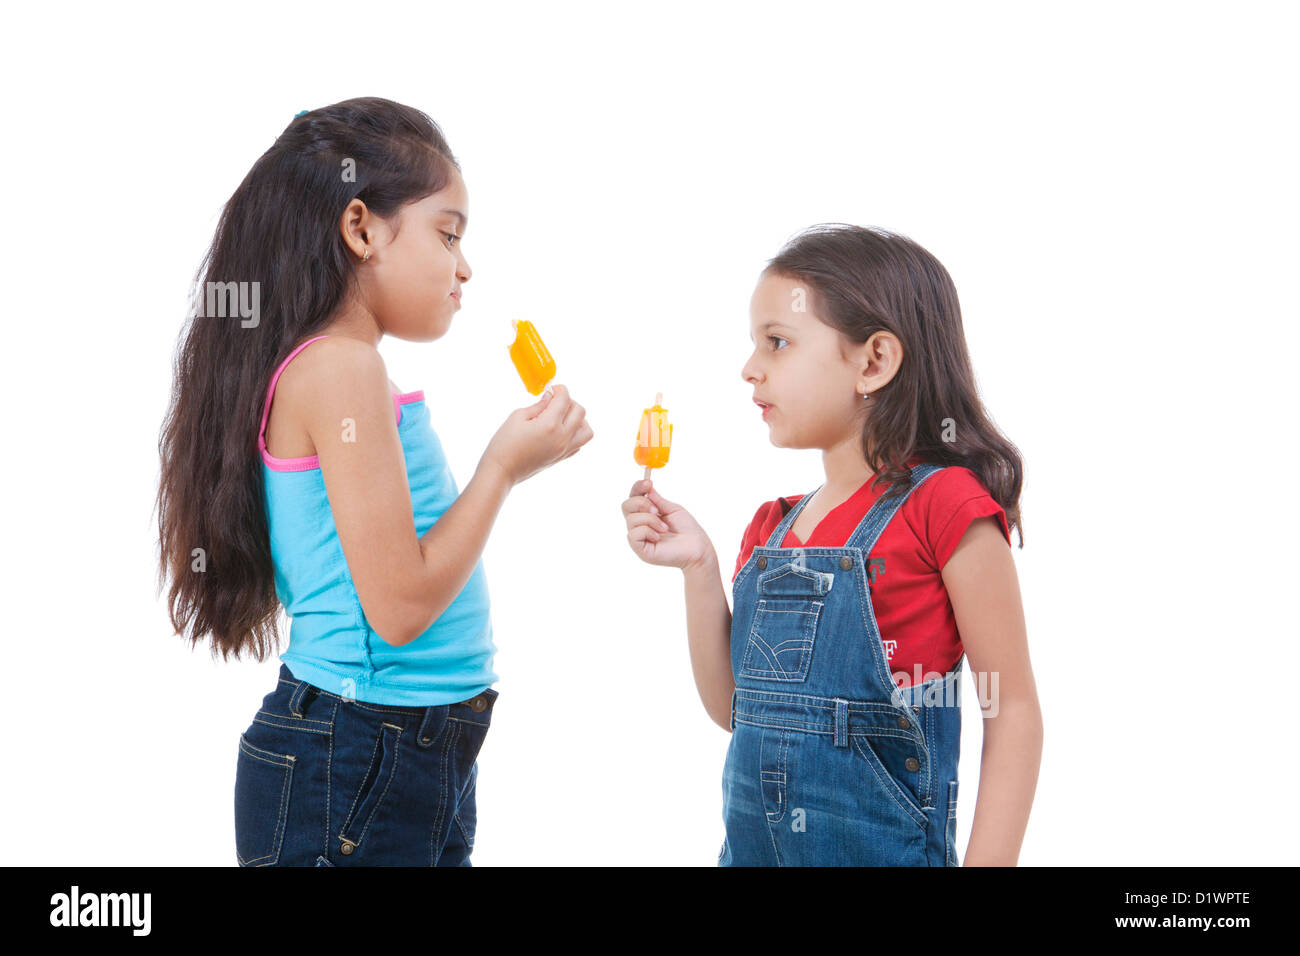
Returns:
point(299, 113)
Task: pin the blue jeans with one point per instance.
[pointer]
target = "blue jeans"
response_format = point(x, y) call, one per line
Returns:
point(324, 780)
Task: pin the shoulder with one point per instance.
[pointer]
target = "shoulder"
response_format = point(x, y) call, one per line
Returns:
point(952, 481)
point(947, 503)
point(336, 361)
point(770, 513)
point(337, 374)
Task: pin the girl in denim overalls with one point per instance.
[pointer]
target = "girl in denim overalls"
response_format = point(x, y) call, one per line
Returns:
point(859, 347)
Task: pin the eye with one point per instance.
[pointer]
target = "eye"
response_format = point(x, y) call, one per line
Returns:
point(776, 338)
point(451, 238)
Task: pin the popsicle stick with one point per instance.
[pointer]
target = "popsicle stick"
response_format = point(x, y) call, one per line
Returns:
point(659, 400)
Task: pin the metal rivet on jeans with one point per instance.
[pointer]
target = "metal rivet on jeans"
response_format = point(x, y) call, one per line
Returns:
point(913, 763)
point(904, 722)
point(762, 564)
point(846, 563)
point(425, 740)
point(346, 848)
point(478, 703)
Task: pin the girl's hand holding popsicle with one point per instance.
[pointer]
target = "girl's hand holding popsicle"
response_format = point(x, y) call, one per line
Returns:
point(537, 436)
point(662, 532)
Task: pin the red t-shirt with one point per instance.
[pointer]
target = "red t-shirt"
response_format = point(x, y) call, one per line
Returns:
point(911, 604)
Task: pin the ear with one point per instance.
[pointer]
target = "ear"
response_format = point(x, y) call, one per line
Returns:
point(878, 360)
point(356, 226)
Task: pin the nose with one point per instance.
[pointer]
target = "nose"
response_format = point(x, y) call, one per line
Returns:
point(463, 271)
point(750, 373)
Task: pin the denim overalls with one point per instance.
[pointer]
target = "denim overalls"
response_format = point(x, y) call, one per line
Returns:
point(831, 763)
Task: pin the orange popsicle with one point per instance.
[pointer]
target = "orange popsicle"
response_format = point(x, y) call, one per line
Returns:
point(655, 437)
point(532, 360)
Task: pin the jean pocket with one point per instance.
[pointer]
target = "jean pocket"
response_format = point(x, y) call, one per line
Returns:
point(263, 784)
point(374, 787)
point(886, 782)
point(950, 828)
point(781, 639)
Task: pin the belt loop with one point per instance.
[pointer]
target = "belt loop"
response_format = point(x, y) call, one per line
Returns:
point(435, 718)
point(841, 722)
point(298, 701)
point(733, 709)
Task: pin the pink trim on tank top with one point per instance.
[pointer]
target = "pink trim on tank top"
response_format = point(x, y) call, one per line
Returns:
point(312, 461)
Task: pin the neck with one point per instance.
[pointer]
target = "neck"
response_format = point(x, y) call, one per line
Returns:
point(354, 320)
point(846, 471)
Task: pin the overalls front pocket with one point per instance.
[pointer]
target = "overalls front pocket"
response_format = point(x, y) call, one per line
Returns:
point(784, 629)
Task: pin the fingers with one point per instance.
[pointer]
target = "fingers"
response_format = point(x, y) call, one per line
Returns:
point(641, 536)
point(574, 416)
point(639, 503)
point(539, 406)
point(642, 519)
point(662, 503)
point(558, 407)
point(583, 435)
point(647, 488)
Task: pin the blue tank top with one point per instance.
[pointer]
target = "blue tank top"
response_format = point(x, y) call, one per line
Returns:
point(331, 644)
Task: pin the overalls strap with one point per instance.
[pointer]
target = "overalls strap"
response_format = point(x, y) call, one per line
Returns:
point(883, 510)
point(873, 522)
point(778, 535)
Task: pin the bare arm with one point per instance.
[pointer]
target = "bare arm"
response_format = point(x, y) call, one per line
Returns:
point(662, 532)
point(708, 631)
point(985, 593)
point(404, 582)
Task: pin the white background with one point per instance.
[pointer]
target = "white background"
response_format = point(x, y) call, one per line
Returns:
point(1112, 187)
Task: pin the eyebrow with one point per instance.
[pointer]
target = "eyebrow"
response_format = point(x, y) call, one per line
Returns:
point(460, 217)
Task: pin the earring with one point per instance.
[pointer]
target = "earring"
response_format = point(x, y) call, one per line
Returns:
point(366, 256)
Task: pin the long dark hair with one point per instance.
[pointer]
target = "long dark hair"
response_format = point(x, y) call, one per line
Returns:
point(864, 280)
point(278, 236)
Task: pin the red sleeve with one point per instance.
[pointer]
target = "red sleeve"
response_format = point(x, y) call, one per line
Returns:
point(957, 499)
point(750, 539)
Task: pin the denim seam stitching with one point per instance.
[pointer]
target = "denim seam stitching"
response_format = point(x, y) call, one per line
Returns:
point(891, 786)
point(434, 850)
point(329, 767)
point(287, 767)
point(356, 799)
point(392, 774)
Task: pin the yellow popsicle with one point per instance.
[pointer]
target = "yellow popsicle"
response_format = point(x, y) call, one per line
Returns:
point(532, 360)
point(654, 438)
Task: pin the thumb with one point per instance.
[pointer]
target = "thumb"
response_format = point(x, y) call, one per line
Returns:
point(661, 502)
point(539, 406)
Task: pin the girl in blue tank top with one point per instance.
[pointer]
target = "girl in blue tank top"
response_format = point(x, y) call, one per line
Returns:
point(296, 474)
point(859, 351)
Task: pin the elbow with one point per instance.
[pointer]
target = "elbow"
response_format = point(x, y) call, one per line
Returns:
point(393, 635)
point(397, 624)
